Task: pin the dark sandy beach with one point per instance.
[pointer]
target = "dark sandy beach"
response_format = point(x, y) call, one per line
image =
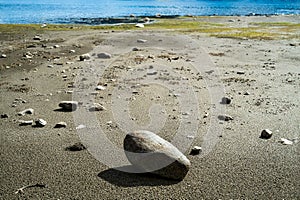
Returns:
point(259, 72)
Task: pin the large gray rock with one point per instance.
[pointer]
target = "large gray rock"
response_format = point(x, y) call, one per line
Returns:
point(150, 153)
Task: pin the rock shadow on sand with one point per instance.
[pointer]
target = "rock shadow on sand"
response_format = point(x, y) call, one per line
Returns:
point(62, 110)
point(118, 177)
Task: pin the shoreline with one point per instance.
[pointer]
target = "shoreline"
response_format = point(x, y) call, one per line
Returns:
point(132, 19)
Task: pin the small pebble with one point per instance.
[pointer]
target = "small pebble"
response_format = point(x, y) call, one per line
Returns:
point(190, 137)
point(139, 25)
point(31, 46)
point(151, 72)
point(226, 100)
point(76, 147)
point(151, 56)
point(4, 116)
point(266, 134)
point(60, 125)
point(25, 122)
point(29, 111)
point(37, 37)
point(146, 19)
point(206, 115)
point(81, 126)
point(68, 105)
point(135, 49)
point(100, 87)
point(240, 72)
point(84, 57)
point(104, 55)
point(195, 150)
point(141, 41)
point(97, 107)
point(225, 117)
point(286, 141)
point(40, 123)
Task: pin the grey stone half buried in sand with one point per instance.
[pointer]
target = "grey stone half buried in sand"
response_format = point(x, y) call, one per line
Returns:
point(141, 41)
point(225, 117)
point(96, 107)
point(151, 153)
point(104, 55)
point(68, 105)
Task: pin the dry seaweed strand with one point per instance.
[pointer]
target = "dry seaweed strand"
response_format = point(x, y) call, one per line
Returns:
point(21, 190)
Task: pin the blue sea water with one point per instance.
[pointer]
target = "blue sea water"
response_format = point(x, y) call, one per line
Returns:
point(69, 11)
